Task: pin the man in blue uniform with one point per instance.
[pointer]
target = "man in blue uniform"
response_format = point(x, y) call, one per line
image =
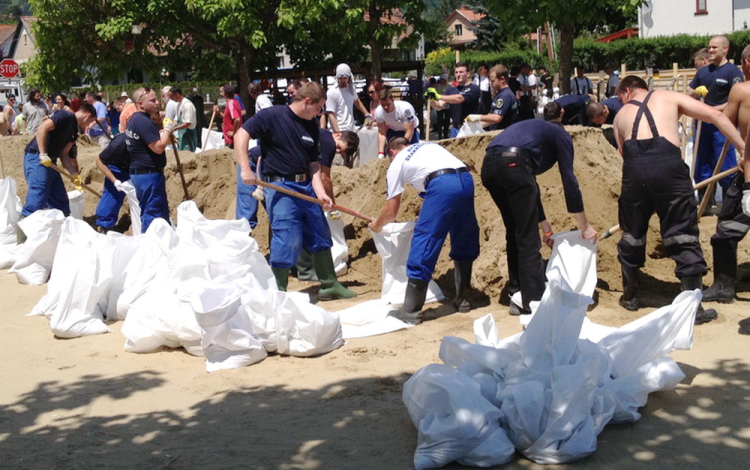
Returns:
point(714, 82)
point(463, 98)
point(289, 142)
point(655, 179)
point(54, 139)
point(604, 112)
point(114, 163)
point(146, 145)
point(448, 207)
point(513, 158)
point(504, 107)
point(574, 109)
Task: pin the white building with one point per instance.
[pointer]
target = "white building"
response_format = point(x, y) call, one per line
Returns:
point(696, 17)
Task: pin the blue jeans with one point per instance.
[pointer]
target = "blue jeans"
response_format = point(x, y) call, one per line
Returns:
point(295, 223)
point(247, 205)
point(709, 150)
point(109, 205)
point(152, 197)
point(46, 188)
point(454, 132)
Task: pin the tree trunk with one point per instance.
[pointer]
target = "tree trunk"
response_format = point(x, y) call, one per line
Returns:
point(376, 49)
point(566, 56)
point(244, 69)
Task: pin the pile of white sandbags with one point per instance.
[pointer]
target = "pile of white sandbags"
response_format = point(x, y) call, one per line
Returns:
point(9, 215)
point(546, 392)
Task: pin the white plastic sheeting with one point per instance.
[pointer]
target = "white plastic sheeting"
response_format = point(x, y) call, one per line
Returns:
point(212, 140)
point(135, 209)
point(339, 250)
point(470, 128)
point(548, 390)
point(369, 318)
point(393, 244)
point(368, 146)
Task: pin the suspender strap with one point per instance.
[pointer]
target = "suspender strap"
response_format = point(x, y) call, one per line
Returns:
point(643, 109)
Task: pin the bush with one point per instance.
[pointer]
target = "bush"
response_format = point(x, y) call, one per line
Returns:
point(443, 60)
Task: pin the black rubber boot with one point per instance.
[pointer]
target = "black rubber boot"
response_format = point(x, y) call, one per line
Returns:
point(628, 299)
point(305, 268)
point(701, 315)
point(411, 311)
point(725, 274)
point(462, 277)
point(282, 277)
point(330, 288)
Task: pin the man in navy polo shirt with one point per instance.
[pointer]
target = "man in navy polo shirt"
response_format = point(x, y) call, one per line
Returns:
point(574, 109)
point(114, 163)
point(604, 112)
point(54, 139)
point(714, 82)
point(146, 145)
point(290, 149)
point(462, 98)
point(504, 107)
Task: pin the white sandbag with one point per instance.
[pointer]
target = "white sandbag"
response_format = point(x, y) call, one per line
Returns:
point(135, 208)
point(188, 215)
point(470, 128)
point(34, 258)
point(124, 250)
point(368, 146)
point(304, 329)
point(9, 214)
point(485, 331)
point(393, 244)
point(369, 318)
point(225, 328)
point(211, 140)
point(76, 200)
point(339, 250)
point(454, 421)
point(78, 283)
point(8, 255)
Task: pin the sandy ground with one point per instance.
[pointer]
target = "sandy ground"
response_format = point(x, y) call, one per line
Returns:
point(85, 403)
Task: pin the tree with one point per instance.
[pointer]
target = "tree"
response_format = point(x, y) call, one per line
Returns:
point(520, 16)
point(489, 34)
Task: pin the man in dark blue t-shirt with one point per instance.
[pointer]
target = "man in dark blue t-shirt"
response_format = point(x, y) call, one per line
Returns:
point(146, 144)
point(714, 82)
point(114, 163)
point(574, 109)
point(504, 106)
point(462, 98)
point(604, 112)
point(513, 158)
point(290, 153)
point(54, 139)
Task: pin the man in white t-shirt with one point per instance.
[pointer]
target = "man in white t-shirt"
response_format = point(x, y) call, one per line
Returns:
point(395, 118)
point(186, 120)
point(170, 106)
point(482, 80)
point(448, 207)
point(262, 101)
point(340, 102)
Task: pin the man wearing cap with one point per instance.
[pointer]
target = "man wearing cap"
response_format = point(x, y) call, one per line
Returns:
point(340, 102)
point(54, 139)
point(513, 159)
point(448, 207)
point(463, 98)
point(146, 144)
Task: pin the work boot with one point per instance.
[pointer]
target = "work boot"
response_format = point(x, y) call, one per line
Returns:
point(330, 287)
point(411, 311)
point(725, 274)
point(628, 299)
point(305, 269)
point(282, 277)
point(462, 278)
point(701, 315)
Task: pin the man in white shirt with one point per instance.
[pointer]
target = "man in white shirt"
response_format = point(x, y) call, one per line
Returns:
point(395, 118)
point(340, 102)
point(526, 101)
point(262, 101)
point(482, 80)
point(186, 119)
point(448, 207)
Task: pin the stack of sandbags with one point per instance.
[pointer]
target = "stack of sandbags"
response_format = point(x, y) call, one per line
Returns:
point(9, 215)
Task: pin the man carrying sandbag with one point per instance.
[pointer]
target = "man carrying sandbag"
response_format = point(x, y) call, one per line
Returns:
point(448, 207)
point(656, 179)
point(509, 170)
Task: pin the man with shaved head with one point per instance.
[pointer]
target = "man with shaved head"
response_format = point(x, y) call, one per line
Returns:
point(714, 82)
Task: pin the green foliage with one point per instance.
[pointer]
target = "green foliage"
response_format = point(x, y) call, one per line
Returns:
point(204, 87)
point(442, 60)
point(659, 53)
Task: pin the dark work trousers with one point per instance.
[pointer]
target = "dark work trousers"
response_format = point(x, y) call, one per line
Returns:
point(443, 123)
point(654, 178)
point(511, 183)
point(733, 224)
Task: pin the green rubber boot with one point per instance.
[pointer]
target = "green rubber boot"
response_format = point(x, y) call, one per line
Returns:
point(282, 277)
point(305, 268)
point(330, 287)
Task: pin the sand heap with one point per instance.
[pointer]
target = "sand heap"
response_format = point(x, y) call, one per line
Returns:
point(211, 183)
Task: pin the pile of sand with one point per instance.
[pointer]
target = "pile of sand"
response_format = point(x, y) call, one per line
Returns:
point(211, 184)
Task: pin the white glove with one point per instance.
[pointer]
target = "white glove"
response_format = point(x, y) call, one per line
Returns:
point(168, 125)
point(746, 202)
point(381, 155)
point(474, 118)
point(259, 194)
point(119, 186)
point(45, 160)
point(335, 215)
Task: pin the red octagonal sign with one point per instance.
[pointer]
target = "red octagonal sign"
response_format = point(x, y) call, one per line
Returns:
point(9, 68)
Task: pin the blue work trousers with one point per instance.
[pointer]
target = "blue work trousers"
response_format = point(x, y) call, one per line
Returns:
point(46, 188)
point(152, 197)
point(108, 209)
point(709, 151)
point(247, 205)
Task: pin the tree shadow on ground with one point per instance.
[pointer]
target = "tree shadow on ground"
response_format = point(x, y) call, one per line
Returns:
point(352, 424)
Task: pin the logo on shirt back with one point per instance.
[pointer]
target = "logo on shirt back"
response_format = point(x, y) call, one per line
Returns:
point(132, 135)
point(308, 139)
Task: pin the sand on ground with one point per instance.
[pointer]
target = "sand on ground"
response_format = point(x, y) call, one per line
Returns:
point(85, 403)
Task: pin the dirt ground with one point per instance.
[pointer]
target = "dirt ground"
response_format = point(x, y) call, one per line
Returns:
point(85, 403)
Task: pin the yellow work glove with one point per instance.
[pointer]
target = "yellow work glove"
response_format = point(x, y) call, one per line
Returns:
point(702, 91)
point(432, 93)
point(78, 182)
point(45, 160)
point(168, 124)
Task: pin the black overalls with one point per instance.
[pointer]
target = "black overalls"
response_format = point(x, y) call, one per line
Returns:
point(654, 178)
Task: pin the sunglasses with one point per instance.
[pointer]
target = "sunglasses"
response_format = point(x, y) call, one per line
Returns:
point(146, 91)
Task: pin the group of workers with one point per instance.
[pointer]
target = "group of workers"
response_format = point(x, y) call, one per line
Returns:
point(295, 151)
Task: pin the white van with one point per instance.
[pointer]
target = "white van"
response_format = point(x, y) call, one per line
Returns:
point(15, 86)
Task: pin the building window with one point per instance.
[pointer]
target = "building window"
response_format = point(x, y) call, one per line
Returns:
point(700, 7)
point(459, 30)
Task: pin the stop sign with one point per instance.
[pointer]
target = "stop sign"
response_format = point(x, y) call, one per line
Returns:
point(8, 68)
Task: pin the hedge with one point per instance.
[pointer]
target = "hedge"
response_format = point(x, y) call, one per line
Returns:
point(113, 91)
point(442, 60)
